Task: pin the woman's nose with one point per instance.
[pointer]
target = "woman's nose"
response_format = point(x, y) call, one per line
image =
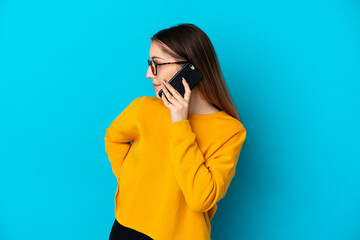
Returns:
point(149, 73)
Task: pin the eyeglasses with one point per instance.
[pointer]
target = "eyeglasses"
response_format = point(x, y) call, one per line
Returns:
point(154, 65)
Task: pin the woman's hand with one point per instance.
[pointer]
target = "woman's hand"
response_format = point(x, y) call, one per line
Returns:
point(178, 105)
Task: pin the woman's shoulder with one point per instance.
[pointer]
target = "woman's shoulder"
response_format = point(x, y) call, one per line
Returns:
point(145, 103)
point(143, 100)
point(146, 99)
point(229, 125)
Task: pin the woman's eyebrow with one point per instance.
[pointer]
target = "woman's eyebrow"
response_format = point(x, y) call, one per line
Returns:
point(157, 57)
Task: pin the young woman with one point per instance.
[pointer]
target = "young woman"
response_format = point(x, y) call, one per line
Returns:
point(174, 157)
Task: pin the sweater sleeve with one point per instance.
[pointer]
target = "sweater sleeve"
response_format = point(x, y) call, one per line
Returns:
point(119, 134)
point(203, 181)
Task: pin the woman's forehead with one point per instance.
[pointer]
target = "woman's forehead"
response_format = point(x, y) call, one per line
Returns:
point(159, 50)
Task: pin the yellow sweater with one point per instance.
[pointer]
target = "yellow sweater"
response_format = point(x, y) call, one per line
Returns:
point(171, 175)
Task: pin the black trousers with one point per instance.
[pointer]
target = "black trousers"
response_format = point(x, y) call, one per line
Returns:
point(120, 232)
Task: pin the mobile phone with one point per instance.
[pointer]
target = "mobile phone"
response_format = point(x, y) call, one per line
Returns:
point(191, 75)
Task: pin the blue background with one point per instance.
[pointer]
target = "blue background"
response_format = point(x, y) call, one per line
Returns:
point(68, 68)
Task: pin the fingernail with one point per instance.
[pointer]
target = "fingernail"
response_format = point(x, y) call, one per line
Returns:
point(165, 81)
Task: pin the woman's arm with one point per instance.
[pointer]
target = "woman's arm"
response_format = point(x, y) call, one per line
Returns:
point(119, 134)
point(203, 181)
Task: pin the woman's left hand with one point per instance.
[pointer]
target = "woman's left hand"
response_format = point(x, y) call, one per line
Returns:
point(178, 105)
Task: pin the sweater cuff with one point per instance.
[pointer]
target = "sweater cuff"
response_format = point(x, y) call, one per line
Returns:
point(180, 128)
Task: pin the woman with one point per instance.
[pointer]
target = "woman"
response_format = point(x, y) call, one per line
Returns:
point(174, 157)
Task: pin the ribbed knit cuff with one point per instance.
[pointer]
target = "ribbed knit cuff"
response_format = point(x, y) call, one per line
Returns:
point(180, 128)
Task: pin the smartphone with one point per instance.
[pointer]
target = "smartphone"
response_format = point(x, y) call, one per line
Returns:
point(191, 75)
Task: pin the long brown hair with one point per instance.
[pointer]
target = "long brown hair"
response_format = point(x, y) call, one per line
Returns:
point(190, 43)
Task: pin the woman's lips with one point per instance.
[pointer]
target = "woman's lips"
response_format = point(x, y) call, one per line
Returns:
point(156, 85)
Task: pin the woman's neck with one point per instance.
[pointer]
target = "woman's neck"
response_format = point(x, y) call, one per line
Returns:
point(198, 105)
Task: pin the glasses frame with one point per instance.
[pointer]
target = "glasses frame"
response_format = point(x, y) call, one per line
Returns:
point(154, 71)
